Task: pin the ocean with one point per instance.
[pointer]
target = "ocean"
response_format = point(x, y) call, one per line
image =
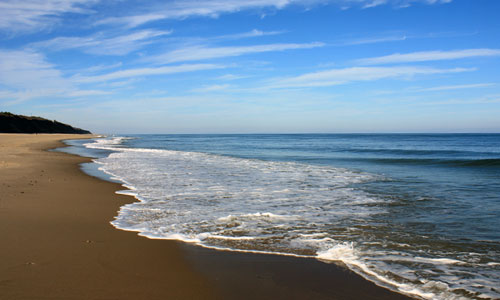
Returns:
point(416, 213)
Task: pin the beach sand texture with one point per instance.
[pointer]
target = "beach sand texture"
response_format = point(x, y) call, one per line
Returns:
point(56, 242)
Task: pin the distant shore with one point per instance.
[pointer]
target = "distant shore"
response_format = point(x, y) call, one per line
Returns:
point(57, 243)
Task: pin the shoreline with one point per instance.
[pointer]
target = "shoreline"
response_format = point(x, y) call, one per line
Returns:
point(59, 244)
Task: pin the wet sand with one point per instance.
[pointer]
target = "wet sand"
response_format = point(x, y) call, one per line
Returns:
point(56, 242)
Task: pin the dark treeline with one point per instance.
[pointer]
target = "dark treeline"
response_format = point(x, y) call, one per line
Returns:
point(11, 123)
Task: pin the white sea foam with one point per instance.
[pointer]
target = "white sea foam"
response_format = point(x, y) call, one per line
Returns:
point(267, 216)
point(106, 143)
point(233, 238)
point(342, 252)
point(427, 260)
point(284, 208)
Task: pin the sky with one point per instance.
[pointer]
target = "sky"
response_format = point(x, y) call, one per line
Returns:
point(254, 66)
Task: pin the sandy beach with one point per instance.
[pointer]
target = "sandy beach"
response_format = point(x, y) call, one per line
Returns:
point(57, 243)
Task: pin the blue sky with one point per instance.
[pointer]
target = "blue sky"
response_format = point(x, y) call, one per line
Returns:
point(256, 66)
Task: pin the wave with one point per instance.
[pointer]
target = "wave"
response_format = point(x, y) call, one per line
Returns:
point(473, 163)
point(422, 152)
point(285, 208)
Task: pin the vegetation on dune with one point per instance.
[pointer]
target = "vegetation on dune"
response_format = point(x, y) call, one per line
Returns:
point(12, 123)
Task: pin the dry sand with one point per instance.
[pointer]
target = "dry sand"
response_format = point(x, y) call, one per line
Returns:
point(56, 242)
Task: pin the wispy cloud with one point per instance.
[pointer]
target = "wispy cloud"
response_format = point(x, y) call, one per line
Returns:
point(26, 75)
point(456, 87)
point(133, 73)
point(191, 8)
point(249, 34)
point(15, 97)
point(98, 44)
point(21, 95)
point(374, 3)
point(347, 75)
point(413, 90)
point(131, 21)
point(400, 36)
point(34, 15)
point(428, 56)
point(202, 52)
point(230, 77)
point(397, 3)
point(19, 69)
point(208, 8)
point(102, 67)
point(85, 93)
point(212, 88)
point(487, 99)
point(374, 40)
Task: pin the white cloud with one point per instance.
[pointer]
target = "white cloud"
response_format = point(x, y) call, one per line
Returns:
point(100, 68)
point(26, 75)
point(230, 77)
point(397, 3)
point(456, 87)
point(374, 3)
point(212, 88)
point(249, 34)
point(412, 90)
point(487, 99)
point(189, 8)
point(97, 44)
point(132, 73)
point(210, 8)
point(428, 56)
point(374, 40)
point(202, 52)
point(34, 15)
point(14, 97)
point(19, 69)
point(131, 21)
point(85, 93)
point(347, 75)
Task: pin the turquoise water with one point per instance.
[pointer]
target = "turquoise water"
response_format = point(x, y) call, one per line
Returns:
point(418, 213)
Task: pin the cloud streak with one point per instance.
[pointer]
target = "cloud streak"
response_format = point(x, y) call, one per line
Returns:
point(140, 72)
point(34, 15)
point(374, 40)
point(203, 53)
point(207, 8)
point(212, 88)
point(131, 21)
point(26, 75)
point(97, 44)
point(190, 8)
point(353, 74)
point(397, 3)
point(456, 87)
point(249, 34)
point(428, 56)
point(19, 69)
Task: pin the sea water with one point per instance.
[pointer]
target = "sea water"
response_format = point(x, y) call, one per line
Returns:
point(417, 213)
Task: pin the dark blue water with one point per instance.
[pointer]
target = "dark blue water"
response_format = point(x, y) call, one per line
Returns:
point(426, 218)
